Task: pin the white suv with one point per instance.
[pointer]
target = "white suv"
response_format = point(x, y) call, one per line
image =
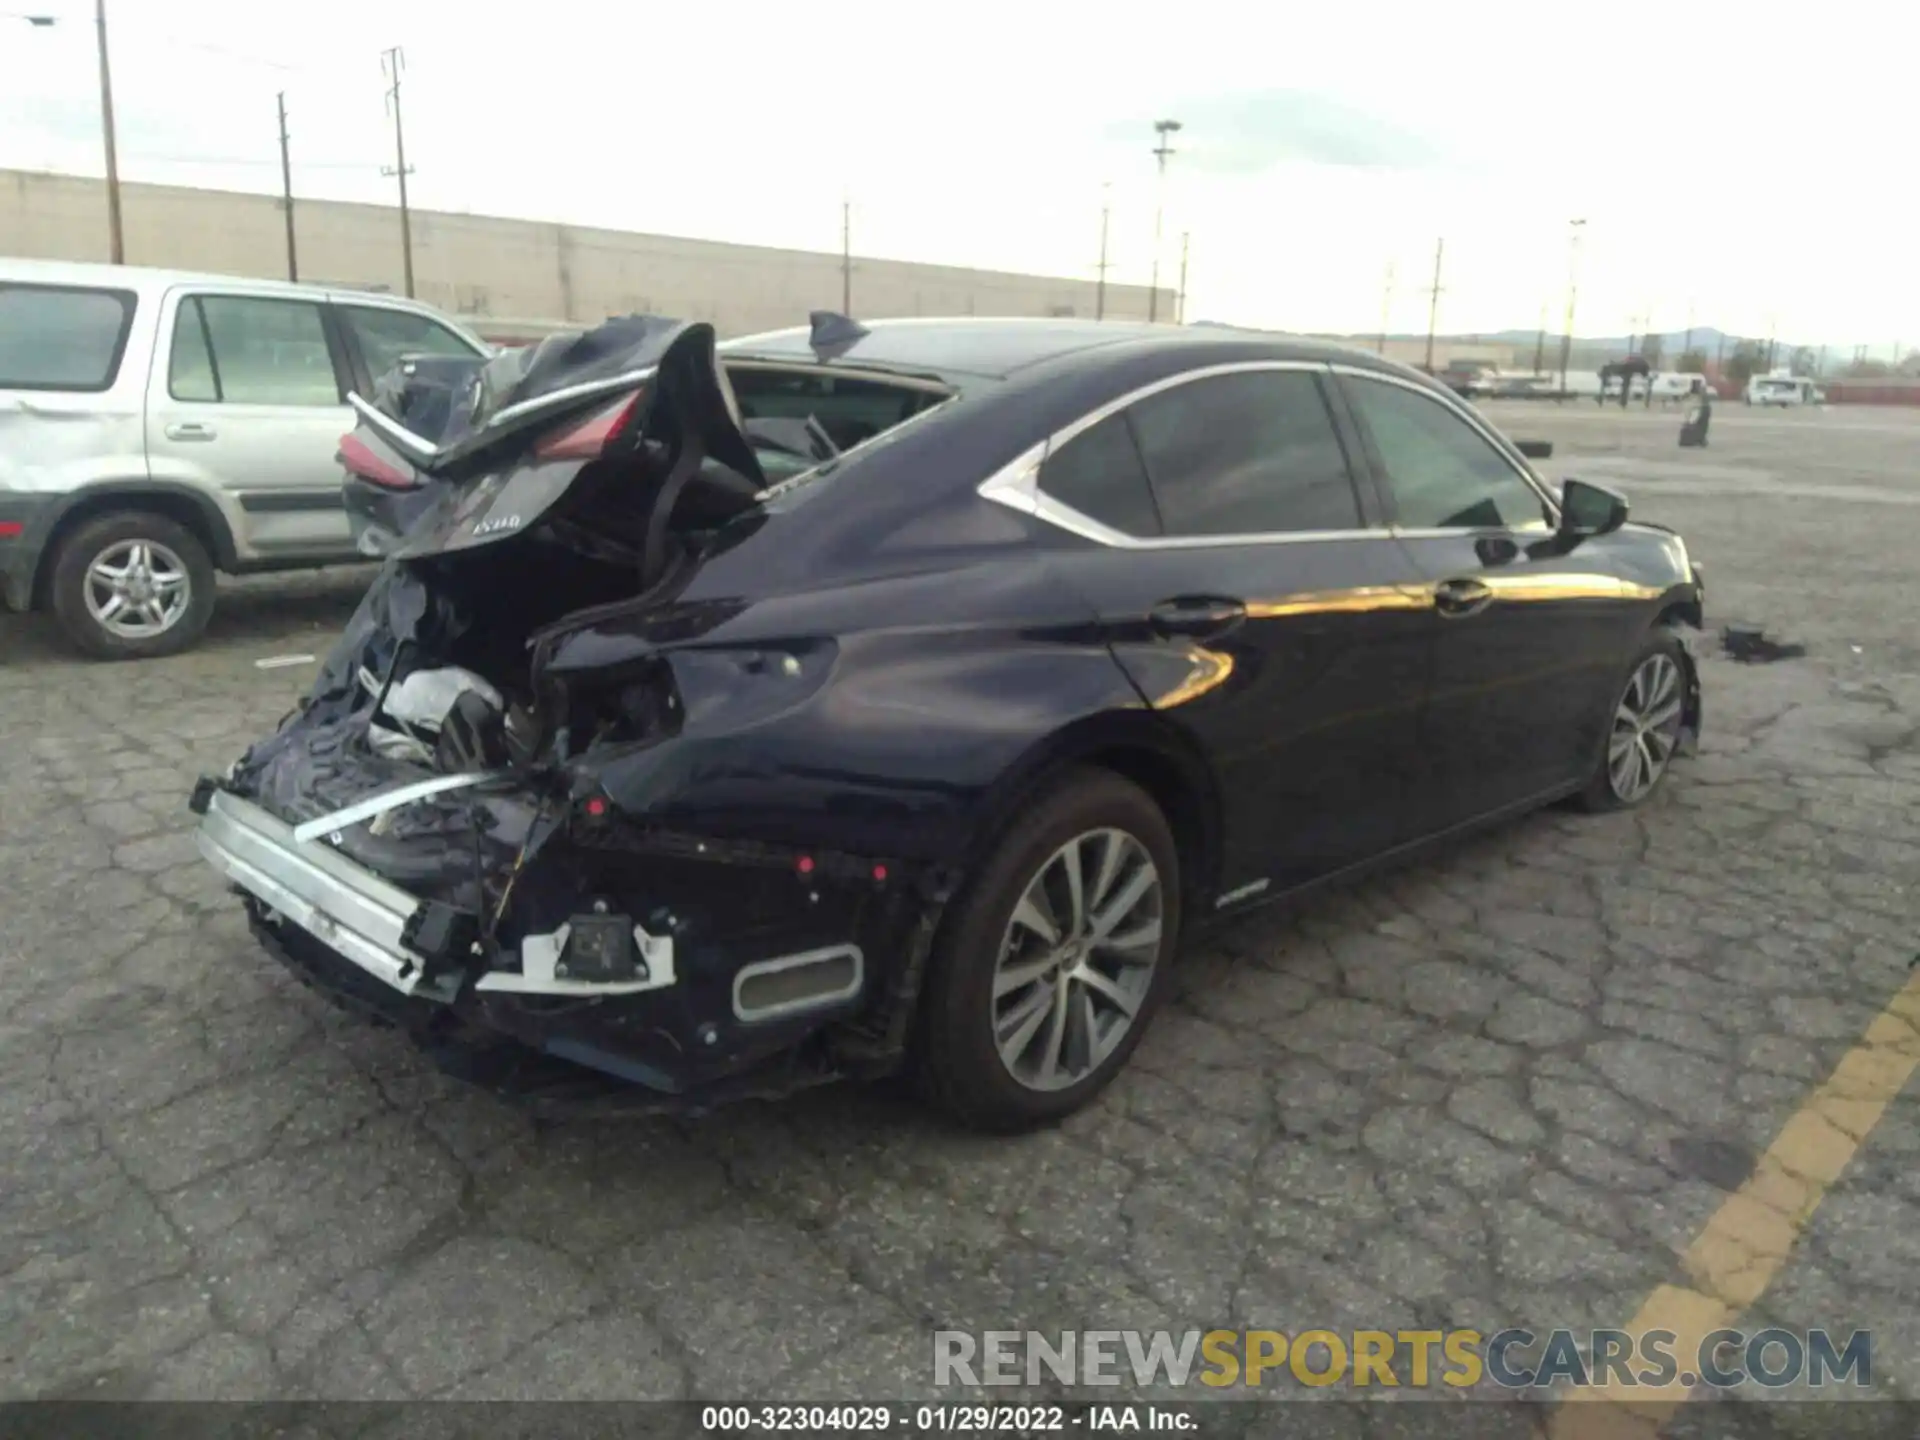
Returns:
point(156, 426)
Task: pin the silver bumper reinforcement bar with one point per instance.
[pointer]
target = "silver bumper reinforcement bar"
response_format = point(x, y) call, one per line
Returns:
point(339, 903)
point(364, 918)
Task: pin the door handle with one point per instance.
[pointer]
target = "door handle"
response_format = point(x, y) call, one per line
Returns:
point(1197, 617)
point(1457, 599)
point(190, 430)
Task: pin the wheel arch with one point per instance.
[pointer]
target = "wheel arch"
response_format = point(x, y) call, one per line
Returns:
point(184, 505)
point(1139, 747)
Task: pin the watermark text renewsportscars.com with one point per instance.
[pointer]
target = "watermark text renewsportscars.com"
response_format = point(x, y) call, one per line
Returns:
point(1510, 1359)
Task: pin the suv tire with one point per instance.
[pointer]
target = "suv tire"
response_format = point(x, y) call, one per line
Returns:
point(135, 564)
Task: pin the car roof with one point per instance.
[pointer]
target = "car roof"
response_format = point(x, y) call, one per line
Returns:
point(998, 347)
point(150, 279)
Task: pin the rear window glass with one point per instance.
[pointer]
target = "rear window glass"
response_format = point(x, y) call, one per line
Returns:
point(61, 338)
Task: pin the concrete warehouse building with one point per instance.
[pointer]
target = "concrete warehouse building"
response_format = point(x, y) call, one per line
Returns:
point(508, 274)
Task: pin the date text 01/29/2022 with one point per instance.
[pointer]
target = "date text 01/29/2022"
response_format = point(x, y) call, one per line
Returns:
point(938, 1419)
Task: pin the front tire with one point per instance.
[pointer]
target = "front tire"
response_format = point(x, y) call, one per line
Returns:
point(132, 585)
point(1054, 959)
point(1643, 729)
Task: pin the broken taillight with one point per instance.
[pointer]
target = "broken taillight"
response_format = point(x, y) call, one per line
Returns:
point(587, 439)
point(364, 462)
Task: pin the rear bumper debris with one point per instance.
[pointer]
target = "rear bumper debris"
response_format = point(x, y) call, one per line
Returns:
point(345, 907)
point(684, 1016)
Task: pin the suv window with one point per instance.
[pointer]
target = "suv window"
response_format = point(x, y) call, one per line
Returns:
point(56, 338)
point(252, 352)
point(1099, 473)
point(385, 335)
point(1443, 473)
point(1253, 453)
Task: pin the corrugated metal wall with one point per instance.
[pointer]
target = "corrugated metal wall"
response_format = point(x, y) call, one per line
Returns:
point(517, 270)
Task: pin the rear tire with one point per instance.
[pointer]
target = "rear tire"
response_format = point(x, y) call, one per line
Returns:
point(1642, 730)
point(132, 585)
point(1084, 998)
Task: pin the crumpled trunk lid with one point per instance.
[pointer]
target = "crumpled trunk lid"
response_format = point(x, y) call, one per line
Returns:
point(492, 467)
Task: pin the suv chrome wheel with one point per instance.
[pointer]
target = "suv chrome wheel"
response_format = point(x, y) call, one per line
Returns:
point(1646, 728)
point(137, 589)
point(1077, 959)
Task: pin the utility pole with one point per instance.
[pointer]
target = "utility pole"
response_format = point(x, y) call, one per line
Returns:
point(117, 245)
point(1386, 308)
point(1574, 228)
point(1100, 285)
point(1161, 150)
point(1180, 296)
point(846, 257)
point(1433, 300)
point(393, 61)
point(286, 188)
point(1540, 344)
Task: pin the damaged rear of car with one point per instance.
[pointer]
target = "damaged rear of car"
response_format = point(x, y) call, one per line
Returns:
point(448, 832)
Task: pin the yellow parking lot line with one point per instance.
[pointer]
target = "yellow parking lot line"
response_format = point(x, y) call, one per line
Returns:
point(1742, 1247)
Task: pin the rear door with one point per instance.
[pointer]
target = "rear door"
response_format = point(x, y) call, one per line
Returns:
point(249, 394)
point(1258, 605)
point(1530, 637)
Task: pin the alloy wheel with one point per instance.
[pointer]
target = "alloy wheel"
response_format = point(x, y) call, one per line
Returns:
point(1077, 960)
point(1646, 729)
point(137, 589)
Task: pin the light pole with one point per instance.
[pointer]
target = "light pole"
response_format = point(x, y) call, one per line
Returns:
point(1161, 150)
point(1574, 228)
point(117, 246)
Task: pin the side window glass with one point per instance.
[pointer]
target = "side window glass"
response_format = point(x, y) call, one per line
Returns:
point(270, 352)
point(56, 338)
point(386, 335)
point(190, 368)
point(1443, 473)
point(1099, 473)
point(1253, 453)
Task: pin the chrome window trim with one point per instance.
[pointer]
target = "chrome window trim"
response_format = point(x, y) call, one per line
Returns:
point(1016, 484)
point(1499, 444)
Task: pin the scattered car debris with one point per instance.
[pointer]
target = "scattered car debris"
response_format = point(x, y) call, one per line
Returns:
point(1750, 646)
point(282, 662)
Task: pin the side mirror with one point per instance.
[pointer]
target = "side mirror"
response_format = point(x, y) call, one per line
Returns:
point(1587, 510)
point(1535, 449)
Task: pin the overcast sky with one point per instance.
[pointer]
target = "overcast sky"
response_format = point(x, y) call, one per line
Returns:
point(1750, 166)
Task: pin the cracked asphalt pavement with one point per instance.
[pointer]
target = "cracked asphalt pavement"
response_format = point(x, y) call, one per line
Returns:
point(1505, 1087)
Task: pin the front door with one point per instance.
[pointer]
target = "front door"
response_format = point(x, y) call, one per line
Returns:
point(250, 399)
point(1258, 608)
point(1530, 635)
